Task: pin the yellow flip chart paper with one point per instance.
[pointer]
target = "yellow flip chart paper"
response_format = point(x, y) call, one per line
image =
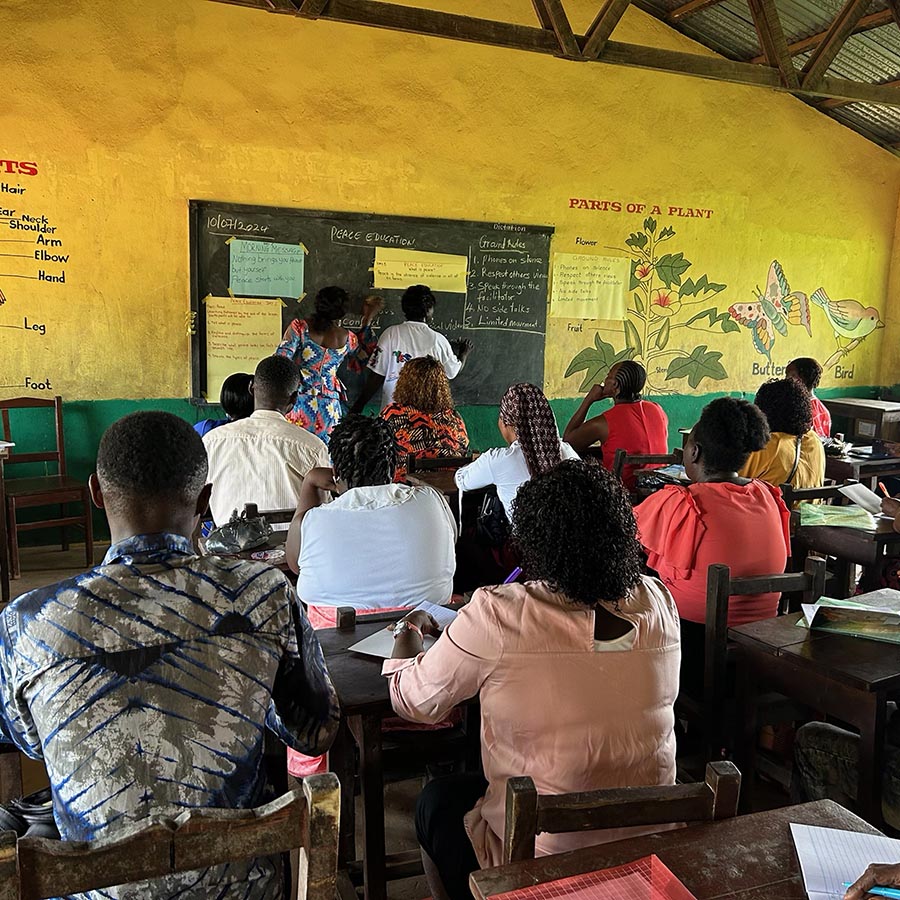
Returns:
point(239, 333)
point(589, 287)
point(396, 268)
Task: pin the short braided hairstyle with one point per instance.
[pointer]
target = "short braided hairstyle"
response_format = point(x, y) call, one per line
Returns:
point(363, 451)
point(631, 378)
point(574, 529)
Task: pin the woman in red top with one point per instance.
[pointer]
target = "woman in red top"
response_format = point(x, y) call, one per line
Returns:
point(719, 518)
point(632, 424)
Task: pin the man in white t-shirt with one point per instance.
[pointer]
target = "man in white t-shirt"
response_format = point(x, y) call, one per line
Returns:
point(410, 339)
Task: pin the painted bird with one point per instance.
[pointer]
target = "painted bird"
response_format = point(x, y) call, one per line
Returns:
point(849, 318)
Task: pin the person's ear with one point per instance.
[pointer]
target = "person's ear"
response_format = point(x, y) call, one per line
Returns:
point(203, 501)
point(95, 491)
point(294, 396)
point(250, 390)
point(696, 453)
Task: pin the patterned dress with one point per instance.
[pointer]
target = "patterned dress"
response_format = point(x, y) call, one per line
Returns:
point(425, 436)
point(318, 407)
point(147, 685)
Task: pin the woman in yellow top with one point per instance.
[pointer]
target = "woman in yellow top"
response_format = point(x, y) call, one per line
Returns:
point(794, 454)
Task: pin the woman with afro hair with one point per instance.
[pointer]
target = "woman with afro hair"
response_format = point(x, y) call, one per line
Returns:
point(720, 517)
point(576, 671)
point(794, 453)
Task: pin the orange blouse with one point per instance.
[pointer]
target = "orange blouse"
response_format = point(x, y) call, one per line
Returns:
point(686, 529)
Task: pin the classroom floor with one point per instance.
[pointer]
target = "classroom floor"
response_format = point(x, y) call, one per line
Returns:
point(45, 565)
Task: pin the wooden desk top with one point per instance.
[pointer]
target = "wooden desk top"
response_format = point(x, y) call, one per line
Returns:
point(862, 404)
point(853, 544)
point(745, 858)
point(442, 480)
point(856, 662)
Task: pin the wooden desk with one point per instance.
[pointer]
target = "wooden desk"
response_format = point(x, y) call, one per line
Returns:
point(442, 480)
point(868, 471)
point(868, 418)
point(365, 702)
point(746, 858)
point(850, 546)
point(849, 678)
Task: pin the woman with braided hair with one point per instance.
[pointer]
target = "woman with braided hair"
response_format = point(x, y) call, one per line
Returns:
point(401, 537)
point(534, 447)
point(631, 424)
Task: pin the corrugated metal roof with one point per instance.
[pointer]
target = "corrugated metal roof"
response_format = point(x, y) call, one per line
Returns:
point(871, 56)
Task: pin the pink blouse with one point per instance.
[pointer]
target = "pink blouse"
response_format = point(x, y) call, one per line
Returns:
point(553, 706)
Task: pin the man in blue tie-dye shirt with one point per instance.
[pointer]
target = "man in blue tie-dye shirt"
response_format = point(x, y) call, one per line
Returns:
point(147, 684)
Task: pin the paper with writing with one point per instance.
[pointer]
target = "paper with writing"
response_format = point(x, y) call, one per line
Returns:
point(862, 496)
point(381, 644)
point(239, 333)
point(266, 268)
point(589, 287)
point(398, 269)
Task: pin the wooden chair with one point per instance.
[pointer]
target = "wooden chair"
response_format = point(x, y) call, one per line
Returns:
point(623, 458)
point(43, 490)
point(38, 868)
point(830, 493)
point(529, 814)
point(414, 464)
point(710, 709)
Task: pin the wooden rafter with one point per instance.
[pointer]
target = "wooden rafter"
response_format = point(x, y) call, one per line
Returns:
point(553, 17)
point(833, 103)
point(773, 41)
point(841, 29)
point(311, 8)
point(689, 8)
point(866, 23)
point(413, 20)
point(894, 9)
point(597, 35)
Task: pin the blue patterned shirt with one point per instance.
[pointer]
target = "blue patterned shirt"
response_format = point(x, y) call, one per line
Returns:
point(147, 685)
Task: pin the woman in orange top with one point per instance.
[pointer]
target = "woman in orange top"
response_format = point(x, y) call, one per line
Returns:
point(632, 424)
point(422, 416)
point(719, 518)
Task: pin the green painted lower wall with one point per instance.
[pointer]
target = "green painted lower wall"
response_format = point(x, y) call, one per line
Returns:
point(86, 420)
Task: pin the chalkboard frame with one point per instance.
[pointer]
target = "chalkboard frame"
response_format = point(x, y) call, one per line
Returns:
point(197, 208)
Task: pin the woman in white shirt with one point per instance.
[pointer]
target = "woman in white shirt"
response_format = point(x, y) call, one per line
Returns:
point(378, 545)
point(534, 447)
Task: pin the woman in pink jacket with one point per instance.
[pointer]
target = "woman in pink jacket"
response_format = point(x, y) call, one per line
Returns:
point(576, 671)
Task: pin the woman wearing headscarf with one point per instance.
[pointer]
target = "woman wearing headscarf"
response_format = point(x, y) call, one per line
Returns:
point(631, 424)
point(528, 426)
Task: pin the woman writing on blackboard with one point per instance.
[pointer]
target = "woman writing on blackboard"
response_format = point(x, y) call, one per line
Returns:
point(318, 346)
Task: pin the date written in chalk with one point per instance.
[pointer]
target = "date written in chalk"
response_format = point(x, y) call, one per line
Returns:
point(654, 209)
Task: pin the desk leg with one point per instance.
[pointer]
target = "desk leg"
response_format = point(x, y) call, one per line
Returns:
point(871, 759)
point(747, 732)
point(367, 731)
point(342, 761)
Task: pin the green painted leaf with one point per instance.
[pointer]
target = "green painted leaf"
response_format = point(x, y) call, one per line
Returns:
point(707, 313)
point(639, 303)
point(593, 376)
point(663, 337)
point(632, 338)
point(634, 281)
point(670, 267)
point(665, 234)
point(637, 239)
point(627, 353)
point(702, 363)
point(584, 359)
point(650, 225)
point(607, 350)
point(729, 325)
point(702, 285)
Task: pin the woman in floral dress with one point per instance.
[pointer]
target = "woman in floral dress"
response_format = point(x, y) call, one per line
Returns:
point(318, 345)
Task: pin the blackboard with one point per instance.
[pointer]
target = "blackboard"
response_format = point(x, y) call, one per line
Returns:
point(503, 311)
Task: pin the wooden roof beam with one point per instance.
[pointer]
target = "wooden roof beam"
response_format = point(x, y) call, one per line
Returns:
point(602, 27)
point(689, 8)
point(866, 23)
point(553, 18)
point(841, 29)
point(834, 103)
point(773, 41)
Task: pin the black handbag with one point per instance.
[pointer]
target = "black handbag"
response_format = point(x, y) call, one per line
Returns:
point(492, 524)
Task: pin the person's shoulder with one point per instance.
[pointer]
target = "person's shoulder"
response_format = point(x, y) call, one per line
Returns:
point(501, 602)
point(651, 597)
point(231, 573)
point(29, 605)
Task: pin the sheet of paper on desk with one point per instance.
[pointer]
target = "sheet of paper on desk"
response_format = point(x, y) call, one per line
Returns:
point(644, 879)
point(862, 496)
point(381, 644)
point(829, 857)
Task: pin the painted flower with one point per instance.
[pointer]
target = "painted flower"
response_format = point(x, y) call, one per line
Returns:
point(642, 271)
point(665, 302)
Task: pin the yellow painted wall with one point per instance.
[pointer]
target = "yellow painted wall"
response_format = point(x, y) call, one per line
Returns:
point(131, 109)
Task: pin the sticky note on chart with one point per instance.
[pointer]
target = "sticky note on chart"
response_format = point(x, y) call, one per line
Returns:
point(401, 268)
point(589, 287)
point(239, 333)
point(266, 268)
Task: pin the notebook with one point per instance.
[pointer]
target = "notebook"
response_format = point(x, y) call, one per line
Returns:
point(381, 644)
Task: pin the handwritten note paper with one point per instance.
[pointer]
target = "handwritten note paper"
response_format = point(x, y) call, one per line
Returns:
point(589, 287)
point(400, 268)
point(239, 333)
point(266, 269)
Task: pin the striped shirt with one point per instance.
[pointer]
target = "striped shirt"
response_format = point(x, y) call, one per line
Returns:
point(147, 685)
